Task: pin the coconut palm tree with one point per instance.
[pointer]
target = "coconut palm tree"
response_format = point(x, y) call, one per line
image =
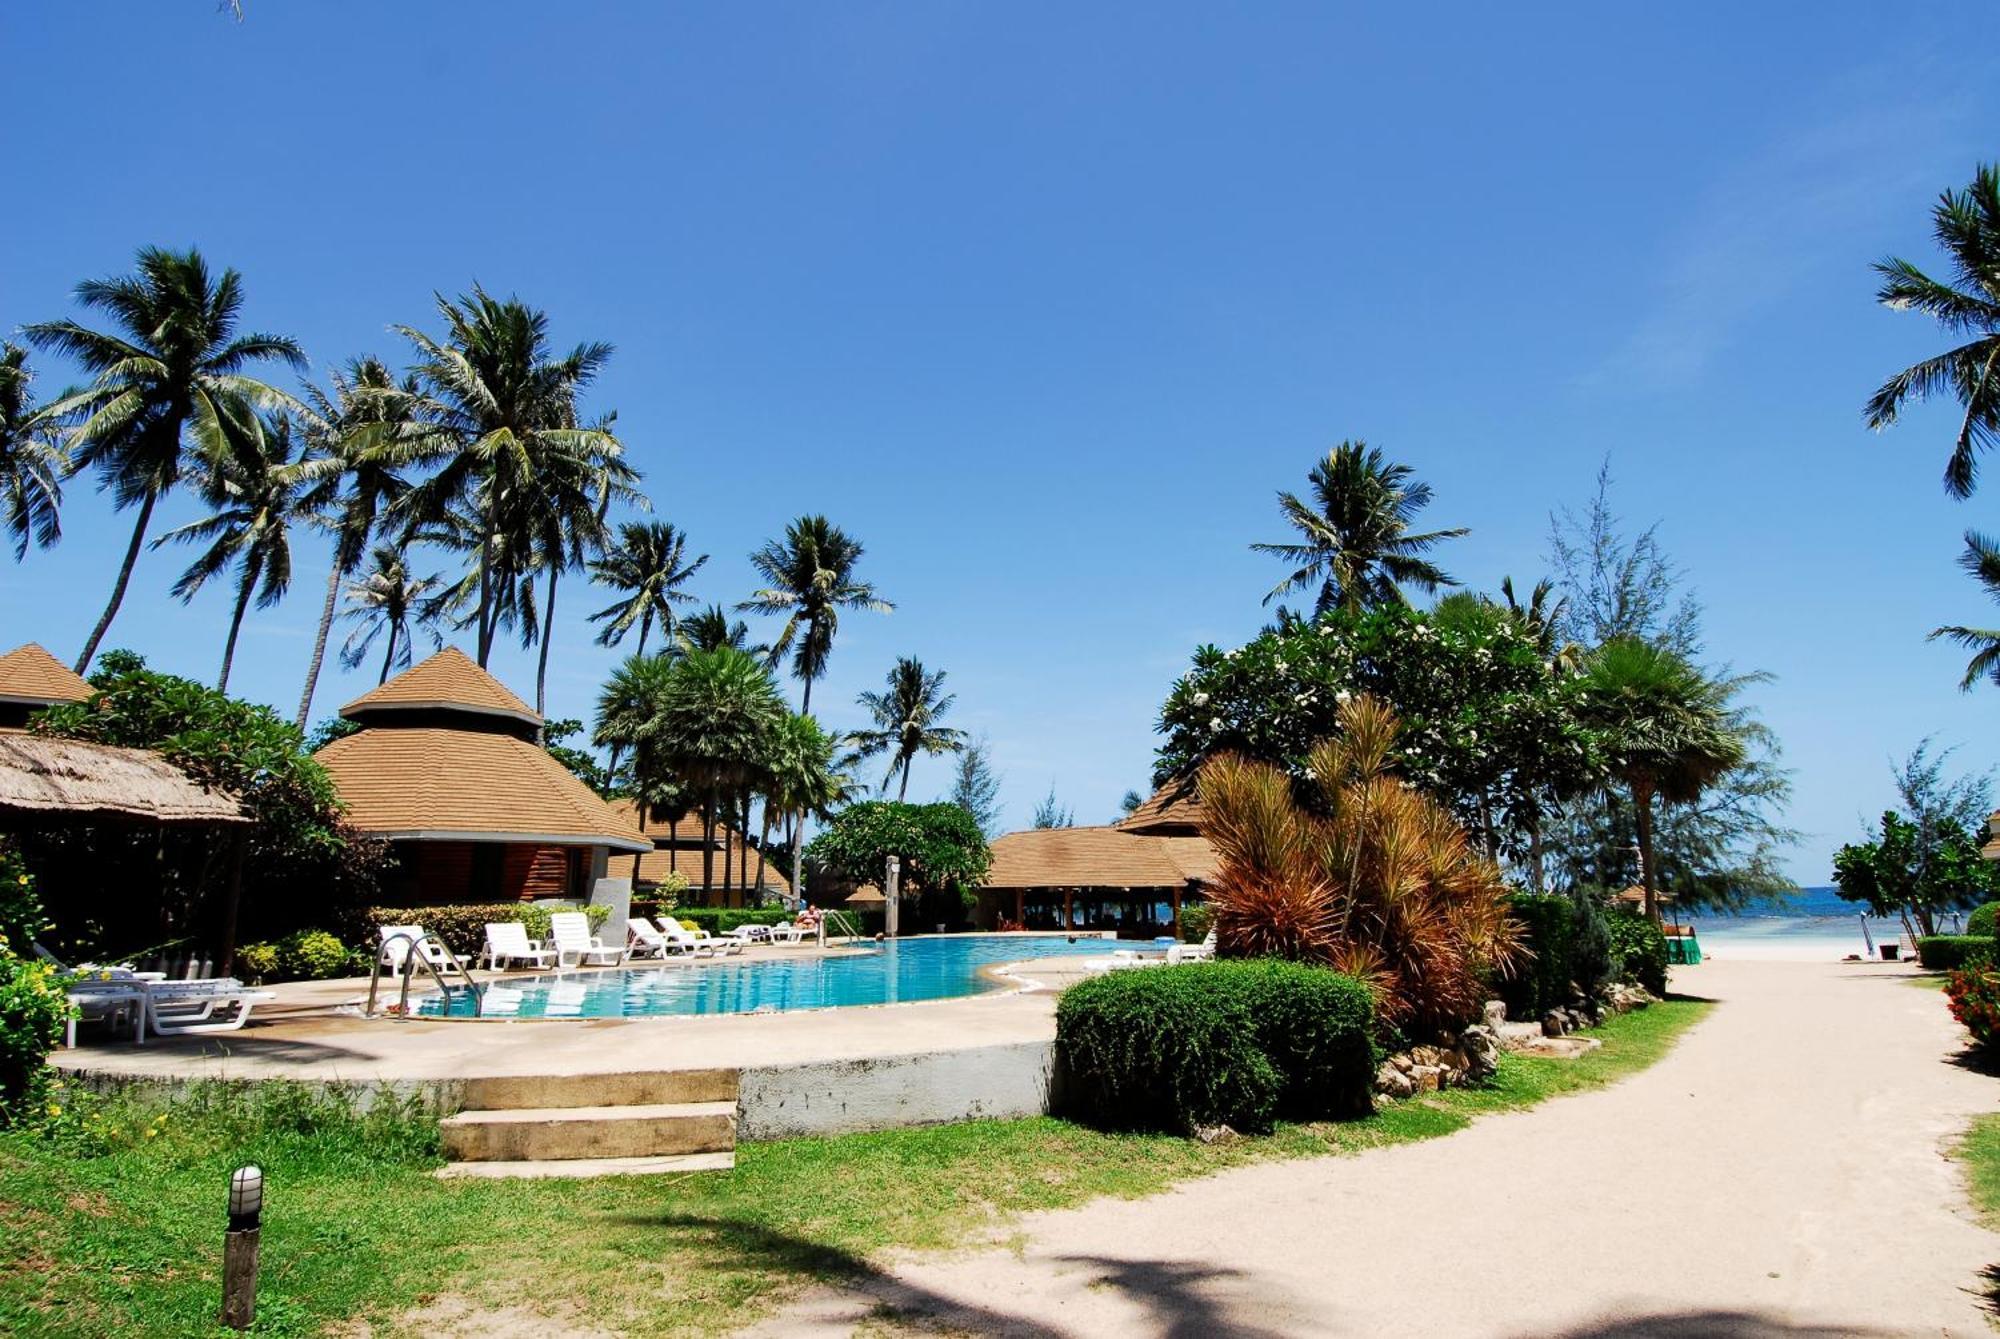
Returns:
point(389, 599)
point(711, 628)
point(174, 375)
point(355, 487)
point(1358, 548)
point(906, 719)
point(256, 498)
point(1981, 560)
point(647, 564)
point(499, 408)
point(811, 579)
point(1667, 731)
point(31, 460)
point(1966, 226)
point(804, 784)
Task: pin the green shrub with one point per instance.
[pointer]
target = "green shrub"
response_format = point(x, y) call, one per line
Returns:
point(22, 916)
point(259, 962)
point(312, 955)
point(721, 920)
point(1590, 962)
point(462, 926)
point(1231, 1043)
point(1974, 993)
point(1543, 981)
point(1195, 922)
point(1638, 950)
point(33, 1008)
point(1945, 953)
point(1982, 920)
point(536, 918)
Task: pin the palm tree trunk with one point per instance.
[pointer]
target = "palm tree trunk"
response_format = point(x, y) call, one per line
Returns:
point(118, 587)
point(1642, 801)
point(798, 868)
point(389, 656)
point(243, 590)
point(319, 642)
point(708, 844)
point(806, 700)
point(548, 630)
point(903, 791)
point(763, 835)
point(486, 578)
point(1537, 877)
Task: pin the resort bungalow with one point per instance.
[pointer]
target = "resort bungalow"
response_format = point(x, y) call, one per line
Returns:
point(446, 769)
point(31, 679)
point(731, 875)
point(1132, 877)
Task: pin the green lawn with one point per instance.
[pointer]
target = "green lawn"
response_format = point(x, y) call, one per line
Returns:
point(127, 1240)
point(1979, 1150)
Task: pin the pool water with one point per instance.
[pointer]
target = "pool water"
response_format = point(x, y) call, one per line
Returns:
point(901, 971)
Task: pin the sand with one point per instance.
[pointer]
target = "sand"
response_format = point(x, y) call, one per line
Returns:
point(1782, 1172)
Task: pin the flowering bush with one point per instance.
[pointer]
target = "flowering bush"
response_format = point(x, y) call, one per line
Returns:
point(33, 1008)
point(1974, 992)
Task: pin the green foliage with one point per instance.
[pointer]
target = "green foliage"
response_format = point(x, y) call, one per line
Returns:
point(328, 730)
point(1982, 922)
point(1591, 964)
point(1544, 982)
point(536, 917)
point(1230, 1043)
point(1638, 950)
point(1196, 919)
point(1974, 993)
point(1908, 866)
point(258, 962)
point(312, 955)
point(1945, 953)
point(1488, 727)
point(33, 1009)
point(462, 926)
point(940, 845)
point(975, 788)
point(721, 920)
point(22, 916)
point(581, 764)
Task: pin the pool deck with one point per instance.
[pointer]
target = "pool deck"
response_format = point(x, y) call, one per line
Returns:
point(307, 1035)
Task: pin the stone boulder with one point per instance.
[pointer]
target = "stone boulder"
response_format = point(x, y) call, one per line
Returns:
point(1494, 1014)
point(1555, 1023)
point(1480, 1046)
point(1393, 1083)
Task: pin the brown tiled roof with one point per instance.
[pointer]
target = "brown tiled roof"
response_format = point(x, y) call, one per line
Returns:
point(76, 779)
point(1171, 807)
point(432, 782)
point(684, 855)
point(30, 674)
point(449, 680)
point(1095, 858)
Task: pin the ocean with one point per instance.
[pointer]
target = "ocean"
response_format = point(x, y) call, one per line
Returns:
point(1816, 925)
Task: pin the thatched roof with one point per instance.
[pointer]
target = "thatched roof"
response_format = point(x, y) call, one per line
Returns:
point(69, 778)
point(1097, 858)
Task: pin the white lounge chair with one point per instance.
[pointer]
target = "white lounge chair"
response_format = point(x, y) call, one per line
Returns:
point(569, 932)
point(790, 932)
point(646, 940)
point(1202, 952)
point(397, 941)
point(113, 1002)
point(217, 1004)
point(701, 938)
point(750, 934)
point(508, 942)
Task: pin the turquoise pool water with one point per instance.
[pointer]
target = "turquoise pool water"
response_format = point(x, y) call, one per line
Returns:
point(899, 972)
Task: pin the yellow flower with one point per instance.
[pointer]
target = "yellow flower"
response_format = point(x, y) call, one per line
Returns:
point(54, 1110)
point(151, 1133)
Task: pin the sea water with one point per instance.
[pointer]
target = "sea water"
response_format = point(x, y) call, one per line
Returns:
point(1814, 924)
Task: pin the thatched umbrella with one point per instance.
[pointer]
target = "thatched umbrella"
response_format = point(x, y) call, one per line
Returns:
point(867, 895)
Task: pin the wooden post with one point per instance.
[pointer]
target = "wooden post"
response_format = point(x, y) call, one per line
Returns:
point(239, 1279)
point(1020, 908)
point(1069, 908)
point(1174, 929)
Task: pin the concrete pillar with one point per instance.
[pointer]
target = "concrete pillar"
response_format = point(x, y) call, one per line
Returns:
point(893, 890)
point(616, 894)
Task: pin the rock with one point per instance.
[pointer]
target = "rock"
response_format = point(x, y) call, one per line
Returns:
point(1393, 1082)
point(1401, 1060)
point(1427, 1078)
point(1215, 1134)
point(1494, 1014)
point(1480, 1046)
point(1554, 1023)
point(1427, 1055)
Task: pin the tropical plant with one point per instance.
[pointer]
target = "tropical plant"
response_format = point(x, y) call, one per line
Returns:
point(1129, 802)
point(500, 413)
point(255, 497)
point(391, 599)
point(711, 629)
point(802, 783)
point(32, 463)
point(1375, 878)
point(810, 576)
point(1923, 858)
point(1052, 813)
point(1614, 583)
point(1966, 227)
point(1981, 561)
point(647, 564)
point(906, 716)
point(1357, 545)
point(174, 376)
point(1666, 731)
point(939, 846)
point(975, 787)
point(354, 488)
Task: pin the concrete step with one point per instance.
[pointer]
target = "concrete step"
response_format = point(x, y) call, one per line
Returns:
point(599, 1090)
point(583, 1167)
point(541, 1134)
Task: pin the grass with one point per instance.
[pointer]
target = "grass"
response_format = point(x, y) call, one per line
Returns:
point(1979, 1150)
point(120, 1231)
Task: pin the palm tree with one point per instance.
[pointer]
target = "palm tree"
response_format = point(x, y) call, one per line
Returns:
point(174, 375)
point(712, 629)
point(256, 498)
point(906, 717)
point(366, 409)
point(1966, 225)
point(1666, 730)
point(648, 564)
point(804, 784)
point(1358, 547)
point(811, 576)
point(499, 410)
point(389, 599)
point(1981, 560)
point(31, 462)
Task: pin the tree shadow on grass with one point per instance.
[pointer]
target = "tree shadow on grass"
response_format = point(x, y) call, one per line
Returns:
point(1181, 1296)
point(1712, 1324)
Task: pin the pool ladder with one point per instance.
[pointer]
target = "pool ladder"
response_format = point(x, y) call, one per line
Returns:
point(415, 954)
point(840, 919)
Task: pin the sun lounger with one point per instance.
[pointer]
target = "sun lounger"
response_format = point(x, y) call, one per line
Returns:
point(569, 932)
point(397, 941)
point(113, 1002)
point(685, 939)
point(508, 942)
point(791, 933)
point(719, 945)
point(218, 1004)
point(1202, 952)
point(646, 940)
point(750, 934)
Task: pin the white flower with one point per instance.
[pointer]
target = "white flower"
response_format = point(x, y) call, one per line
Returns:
point(1281, 667)
point(1342, 696)
point(1201, 699)
point(1215, 722)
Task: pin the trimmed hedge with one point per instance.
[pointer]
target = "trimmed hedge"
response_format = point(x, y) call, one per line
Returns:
point(1227, 1043)
point(721, 920)
point(1638, 950)
point(463, 926)
point(1543, 982)
point(1946, 953)
point(1982, 921)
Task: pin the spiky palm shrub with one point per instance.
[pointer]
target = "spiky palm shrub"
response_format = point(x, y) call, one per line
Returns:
point(1374, 877)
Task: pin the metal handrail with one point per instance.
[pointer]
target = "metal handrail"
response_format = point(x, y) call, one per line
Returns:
point(415, 954)
point(831, 918)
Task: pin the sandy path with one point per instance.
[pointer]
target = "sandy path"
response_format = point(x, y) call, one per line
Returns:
point(1779, 1174)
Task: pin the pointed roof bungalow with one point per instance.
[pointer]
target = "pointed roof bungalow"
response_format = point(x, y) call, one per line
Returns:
point(446, 769)
point(31, 679)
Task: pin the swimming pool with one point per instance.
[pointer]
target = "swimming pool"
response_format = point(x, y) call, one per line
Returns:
point(900, 971)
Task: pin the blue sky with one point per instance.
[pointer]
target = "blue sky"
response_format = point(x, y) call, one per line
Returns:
point(1046, 302)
